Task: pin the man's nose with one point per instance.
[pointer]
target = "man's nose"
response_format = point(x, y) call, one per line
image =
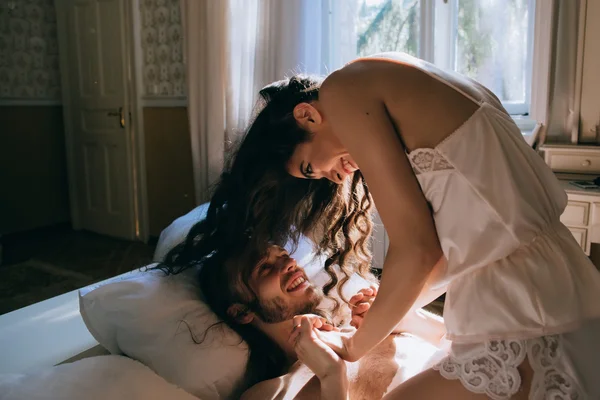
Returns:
point(286, 263)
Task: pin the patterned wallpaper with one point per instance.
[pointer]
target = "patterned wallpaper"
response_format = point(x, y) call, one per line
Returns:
point(162, 49)
point(29, 66)
point(29, 63)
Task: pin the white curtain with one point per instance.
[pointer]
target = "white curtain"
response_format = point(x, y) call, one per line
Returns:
point(206, 40)
point(556, 69)
point(235, 47)
point(564, 112)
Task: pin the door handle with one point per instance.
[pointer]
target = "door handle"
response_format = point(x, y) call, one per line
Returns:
point(119, 114)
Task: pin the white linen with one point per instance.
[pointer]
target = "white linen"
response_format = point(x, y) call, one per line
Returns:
point(176, 232)
point(42, 334)
point(154, 319)
point(96, 378)
point(24, 347)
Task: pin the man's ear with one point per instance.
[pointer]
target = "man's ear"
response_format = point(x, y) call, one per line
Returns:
point(240, 313)
point(307, 114)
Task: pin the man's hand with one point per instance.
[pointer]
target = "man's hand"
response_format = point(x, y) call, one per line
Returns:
point(311, 350)
point(360, 304)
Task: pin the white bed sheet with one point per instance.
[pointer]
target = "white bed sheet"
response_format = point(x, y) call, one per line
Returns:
point(44, 334)
point(96, 378)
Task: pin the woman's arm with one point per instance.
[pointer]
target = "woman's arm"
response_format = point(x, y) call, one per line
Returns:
point(423, 324)
point(417, 322)
point(355, 104)
point(431, 291)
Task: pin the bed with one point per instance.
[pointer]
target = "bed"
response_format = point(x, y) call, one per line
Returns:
point(48, 352)
point(52, 331)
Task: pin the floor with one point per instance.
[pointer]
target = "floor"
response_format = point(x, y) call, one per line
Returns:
point(41, 264)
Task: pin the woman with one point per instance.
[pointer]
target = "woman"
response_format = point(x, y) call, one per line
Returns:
point(468, 207)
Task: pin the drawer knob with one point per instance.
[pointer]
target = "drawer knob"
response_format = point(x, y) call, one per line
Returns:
point(586, 163)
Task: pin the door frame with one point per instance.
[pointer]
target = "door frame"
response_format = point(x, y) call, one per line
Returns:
point(133, 45)
point(134, 132)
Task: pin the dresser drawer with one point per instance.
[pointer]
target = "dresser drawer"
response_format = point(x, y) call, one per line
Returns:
point(580, 235)
point(573, 162)
point(576, 213)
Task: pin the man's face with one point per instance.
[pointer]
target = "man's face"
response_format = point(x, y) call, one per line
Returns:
point(282, 288)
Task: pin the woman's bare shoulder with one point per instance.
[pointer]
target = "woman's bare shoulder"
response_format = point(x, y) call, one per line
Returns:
point(361, 73)
point(399, 73)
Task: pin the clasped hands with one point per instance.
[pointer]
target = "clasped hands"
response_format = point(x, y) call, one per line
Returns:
point(323, 347)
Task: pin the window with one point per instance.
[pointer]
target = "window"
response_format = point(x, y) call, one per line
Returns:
point(488, 40)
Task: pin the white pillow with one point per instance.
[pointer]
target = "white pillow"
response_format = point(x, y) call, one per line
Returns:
point(151, 318)
point(154, 319)
point(176, 232)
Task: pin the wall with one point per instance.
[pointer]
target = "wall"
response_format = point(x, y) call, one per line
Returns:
point(163, 71)
point(169, 175)
point(32, 149)
point(29, 52)
point(33, 171)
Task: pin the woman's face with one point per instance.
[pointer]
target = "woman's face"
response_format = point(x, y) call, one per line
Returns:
point(323, 156)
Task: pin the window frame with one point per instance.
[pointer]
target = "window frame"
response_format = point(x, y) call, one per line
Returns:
point(444, 56)
point(447, 11)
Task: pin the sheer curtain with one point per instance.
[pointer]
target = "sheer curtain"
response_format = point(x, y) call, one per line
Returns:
point(281, 38)
point(557, 69)
point(205, 50)
point(235, 47)
point(563, 121)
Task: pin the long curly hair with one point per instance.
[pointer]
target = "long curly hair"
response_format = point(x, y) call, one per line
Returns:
point(256, 202)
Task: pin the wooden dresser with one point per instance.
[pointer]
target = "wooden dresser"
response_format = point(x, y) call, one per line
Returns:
point(582, 215)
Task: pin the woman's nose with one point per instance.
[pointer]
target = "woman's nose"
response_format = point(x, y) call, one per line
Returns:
point(335, 177)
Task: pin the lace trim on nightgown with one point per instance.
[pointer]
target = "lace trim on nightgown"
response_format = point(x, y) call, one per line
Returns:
point(494, 370)
point(428, 160)
point(549, 381)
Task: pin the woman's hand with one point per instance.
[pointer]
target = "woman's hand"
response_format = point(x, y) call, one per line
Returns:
point(316, 321)
point(312, 351)
point(360, 304)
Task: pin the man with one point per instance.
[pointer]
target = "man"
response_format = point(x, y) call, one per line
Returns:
point(263, 301)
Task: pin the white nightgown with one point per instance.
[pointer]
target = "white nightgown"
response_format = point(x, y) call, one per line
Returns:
point(518, 284)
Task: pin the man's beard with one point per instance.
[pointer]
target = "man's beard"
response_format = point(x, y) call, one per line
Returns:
point(277, 310)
